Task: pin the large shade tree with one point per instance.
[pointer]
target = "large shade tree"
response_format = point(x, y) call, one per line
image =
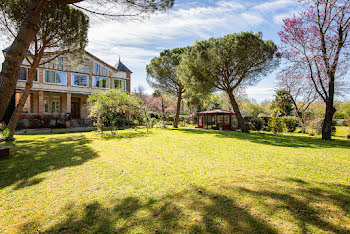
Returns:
point(317, 39)
point(228, 64)
point(62, 31)
point(30, 27)
point(162, 75)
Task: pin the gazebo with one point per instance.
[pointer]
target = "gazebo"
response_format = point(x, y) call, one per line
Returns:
point(217, 119)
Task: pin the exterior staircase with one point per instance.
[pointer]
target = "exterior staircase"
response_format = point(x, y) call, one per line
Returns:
point(77, 123)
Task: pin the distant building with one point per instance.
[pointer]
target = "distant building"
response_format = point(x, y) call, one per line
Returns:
point(217, 119)
point(60, 87)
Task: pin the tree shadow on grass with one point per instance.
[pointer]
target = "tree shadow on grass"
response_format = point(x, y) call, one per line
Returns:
point(199, 210)
point(305, 204)
point(216, 214)
point(274, 140)
point(29, 158)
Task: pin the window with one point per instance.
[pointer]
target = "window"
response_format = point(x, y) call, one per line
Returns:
point(55, 106)
point(104, 71)
point(97, 68)
point(123, 85)
point(46, 106)
point(120, 84)
point(80, 80)
point(100, 82)
point(227, 119)
point(116, 84)
point(60, 62)
point(55, 77)
point(24, 72)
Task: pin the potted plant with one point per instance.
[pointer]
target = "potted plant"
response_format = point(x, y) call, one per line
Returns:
point(68, 118)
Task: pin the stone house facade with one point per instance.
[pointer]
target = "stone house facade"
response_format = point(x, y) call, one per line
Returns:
point(60, 87)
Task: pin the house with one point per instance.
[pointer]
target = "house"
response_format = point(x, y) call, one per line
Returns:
point(60, 87)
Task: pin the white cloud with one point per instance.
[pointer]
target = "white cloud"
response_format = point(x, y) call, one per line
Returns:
point(274, 5)
point(231, 5)
point(175, 24)
point(278, 19)
point(259, 90)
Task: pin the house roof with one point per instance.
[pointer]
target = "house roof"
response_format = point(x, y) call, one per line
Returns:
point(100, 60)
point(121, 67)
point(8, 48)
point(217, 112)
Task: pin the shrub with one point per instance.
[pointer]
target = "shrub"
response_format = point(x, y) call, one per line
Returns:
point(120, 122)
point(256, 124)
point(171, 118)
point(292, 123)
point(7, 133)
point(315, 127)
point(266, 123)
point(277, 124)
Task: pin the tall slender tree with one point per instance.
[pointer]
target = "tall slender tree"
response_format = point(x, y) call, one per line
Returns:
point(30, 27)
point(317, 38)
point(227, 64)
point(162, 75)
point(62, 31)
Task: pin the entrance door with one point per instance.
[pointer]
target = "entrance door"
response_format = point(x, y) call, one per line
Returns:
point(76, 108)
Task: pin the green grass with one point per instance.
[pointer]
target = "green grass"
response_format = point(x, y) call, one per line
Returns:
point(342, 131)
point(170, 181)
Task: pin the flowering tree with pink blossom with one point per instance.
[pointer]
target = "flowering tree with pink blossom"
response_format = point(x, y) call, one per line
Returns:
point(317, 39)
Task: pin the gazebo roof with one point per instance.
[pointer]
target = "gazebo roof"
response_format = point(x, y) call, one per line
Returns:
point(216, 112)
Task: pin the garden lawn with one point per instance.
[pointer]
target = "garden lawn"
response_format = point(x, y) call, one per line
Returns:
point(170, 181)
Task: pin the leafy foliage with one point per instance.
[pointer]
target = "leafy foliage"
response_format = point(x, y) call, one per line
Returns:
point(292, 123)
point(282, 103)
point(162, 75)
point(277, 124)
point(7, 133)
point(256, 123)
point(161, 72)
point(229, 63)
point(106, 106)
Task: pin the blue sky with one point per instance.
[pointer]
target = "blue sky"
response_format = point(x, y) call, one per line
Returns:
point(137, 42)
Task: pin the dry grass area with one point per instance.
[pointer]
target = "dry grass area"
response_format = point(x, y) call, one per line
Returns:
point(170, 181)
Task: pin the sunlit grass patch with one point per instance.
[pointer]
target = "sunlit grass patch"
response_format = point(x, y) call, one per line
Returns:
point(183, 180)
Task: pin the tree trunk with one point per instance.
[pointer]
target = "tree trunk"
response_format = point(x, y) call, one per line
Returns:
point(178, 106)
point(241, 122)
point(330, 110)
point(22, 101)
point(327, 122)
point(17, 52)
point(10, 109)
